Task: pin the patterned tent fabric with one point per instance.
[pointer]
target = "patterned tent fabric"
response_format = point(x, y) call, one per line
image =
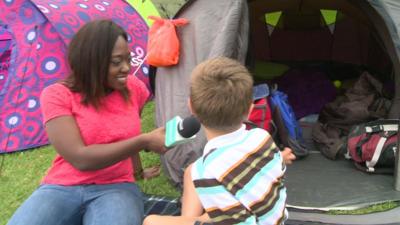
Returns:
point(33, 39)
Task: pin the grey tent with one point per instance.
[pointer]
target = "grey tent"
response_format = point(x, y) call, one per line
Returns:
point(356, 33)
point(363, 33)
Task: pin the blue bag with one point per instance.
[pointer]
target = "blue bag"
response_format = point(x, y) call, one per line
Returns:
point(289, 133)
point(280, 100)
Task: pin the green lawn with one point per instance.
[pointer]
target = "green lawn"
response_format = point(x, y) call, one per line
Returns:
point(21, 172)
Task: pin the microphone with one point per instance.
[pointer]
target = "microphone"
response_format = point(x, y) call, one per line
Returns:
point(178, 130)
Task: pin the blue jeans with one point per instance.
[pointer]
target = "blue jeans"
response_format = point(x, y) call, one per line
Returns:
point(119, 204)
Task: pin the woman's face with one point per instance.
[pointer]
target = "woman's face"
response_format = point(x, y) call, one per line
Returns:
point(120, 65)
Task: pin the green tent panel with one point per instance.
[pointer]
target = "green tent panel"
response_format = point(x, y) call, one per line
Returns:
point(273, 18)
point(329, 16)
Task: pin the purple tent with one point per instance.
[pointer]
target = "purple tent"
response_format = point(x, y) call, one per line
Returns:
point(33, 39)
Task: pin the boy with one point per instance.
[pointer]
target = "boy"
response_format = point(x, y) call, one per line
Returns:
point(238, 180)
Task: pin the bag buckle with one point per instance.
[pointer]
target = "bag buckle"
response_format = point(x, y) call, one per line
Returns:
point(370, 169)
point(373, 128)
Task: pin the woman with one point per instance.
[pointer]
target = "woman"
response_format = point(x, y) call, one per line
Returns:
point(92, 119)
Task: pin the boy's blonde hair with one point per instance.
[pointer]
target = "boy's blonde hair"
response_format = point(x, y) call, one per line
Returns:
point(221, 92)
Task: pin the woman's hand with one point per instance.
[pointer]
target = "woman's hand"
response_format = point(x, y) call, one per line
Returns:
point(156, 141)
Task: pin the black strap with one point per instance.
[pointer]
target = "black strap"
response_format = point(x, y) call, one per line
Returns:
point(253, 125)
point(361, 143)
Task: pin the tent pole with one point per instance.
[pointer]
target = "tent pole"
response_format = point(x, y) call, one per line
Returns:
point(397, 159)
point(394, 113)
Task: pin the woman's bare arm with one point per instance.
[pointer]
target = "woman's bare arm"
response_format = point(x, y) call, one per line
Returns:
point(64, 135)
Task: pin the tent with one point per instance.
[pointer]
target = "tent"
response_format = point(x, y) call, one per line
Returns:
point(33, 39)
point(343, 36)
point(302, 32)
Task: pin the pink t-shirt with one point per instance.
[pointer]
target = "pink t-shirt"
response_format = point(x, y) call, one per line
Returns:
point(114, 121)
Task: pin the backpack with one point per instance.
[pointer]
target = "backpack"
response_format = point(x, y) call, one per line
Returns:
point(373, 145)
point(289, 133)
point(260, 116)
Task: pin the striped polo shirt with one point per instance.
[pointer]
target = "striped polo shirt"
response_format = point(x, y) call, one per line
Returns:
point(239, 179)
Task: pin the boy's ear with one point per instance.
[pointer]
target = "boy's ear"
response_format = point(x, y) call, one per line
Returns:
point(250, 109)
point(190, 106)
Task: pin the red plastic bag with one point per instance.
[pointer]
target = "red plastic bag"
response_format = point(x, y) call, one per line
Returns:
point(163, 43)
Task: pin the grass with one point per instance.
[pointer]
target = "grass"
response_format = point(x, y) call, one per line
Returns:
point(158, 185)
point(20, 175)
point(372, 209)
point(22, 172)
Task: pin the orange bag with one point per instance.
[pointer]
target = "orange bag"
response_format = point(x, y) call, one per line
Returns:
point(163, 43)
